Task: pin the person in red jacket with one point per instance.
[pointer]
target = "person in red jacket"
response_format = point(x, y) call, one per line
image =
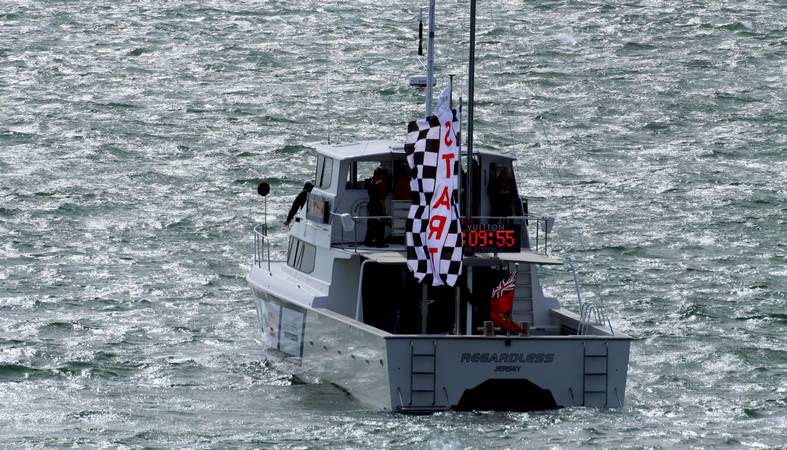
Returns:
point(402, 187)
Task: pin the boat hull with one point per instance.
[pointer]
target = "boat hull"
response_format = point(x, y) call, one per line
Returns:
point(318, 343)
point(425, 373)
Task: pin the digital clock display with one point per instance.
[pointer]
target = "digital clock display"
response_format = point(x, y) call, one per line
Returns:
point(492, 238)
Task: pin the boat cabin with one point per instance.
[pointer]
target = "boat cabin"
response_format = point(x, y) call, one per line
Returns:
point(344, 171)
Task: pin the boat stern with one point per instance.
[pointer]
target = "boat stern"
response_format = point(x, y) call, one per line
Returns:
point(511, 373)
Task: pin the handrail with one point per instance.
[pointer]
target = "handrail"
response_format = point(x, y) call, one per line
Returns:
point(261, 245)
point(593, 314)
point(355, 227)
point(371, 217)
point(570, 265)
point(543, 226)
point(590, 312)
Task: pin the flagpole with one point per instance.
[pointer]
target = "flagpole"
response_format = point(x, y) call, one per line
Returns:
point(457, 291)
point(469, 185)
point(450, 92)
point(470, 105)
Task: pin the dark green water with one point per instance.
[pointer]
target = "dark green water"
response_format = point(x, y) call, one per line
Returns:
point(132, 137)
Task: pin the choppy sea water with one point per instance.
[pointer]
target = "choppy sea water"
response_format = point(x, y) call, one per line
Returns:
point(133, 134)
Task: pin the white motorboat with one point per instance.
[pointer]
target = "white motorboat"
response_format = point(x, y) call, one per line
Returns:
point(351, 314)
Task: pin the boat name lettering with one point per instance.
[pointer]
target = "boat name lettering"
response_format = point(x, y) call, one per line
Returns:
point(545, 358)
point(508, 368)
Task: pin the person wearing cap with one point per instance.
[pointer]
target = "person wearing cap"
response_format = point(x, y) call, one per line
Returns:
point(300, 200)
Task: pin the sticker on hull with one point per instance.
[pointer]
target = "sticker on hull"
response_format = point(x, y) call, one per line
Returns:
point(282, 326)
point(291, 332)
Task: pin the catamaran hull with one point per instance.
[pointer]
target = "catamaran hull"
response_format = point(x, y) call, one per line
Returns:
point(327, 346)
point(425, 373)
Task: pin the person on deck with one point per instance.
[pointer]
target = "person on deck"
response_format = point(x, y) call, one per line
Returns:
point(402, 188)
point(501, 191)
point(375, 228)
point(299, 201)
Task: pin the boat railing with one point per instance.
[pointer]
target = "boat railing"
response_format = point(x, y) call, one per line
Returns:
point(591, 313)
point(535, 229)
point(363, 219)
point(262, 246)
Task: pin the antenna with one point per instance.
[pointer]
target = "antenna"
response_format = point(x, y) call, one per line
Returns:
point(326, 119)
point(430, 60)
point(421, 33)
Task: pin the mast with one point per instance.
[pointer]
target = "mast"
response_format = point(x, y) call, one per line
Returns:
point(421, 33)
point(430, 60)
point(470, 104)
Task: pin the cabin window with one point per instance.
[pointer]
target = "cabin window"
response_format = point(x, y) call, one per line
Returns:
point(301, 256)
point(307, 258)
point(324, 172)
point(365, 169)
point(291, 252)
point(362, 171)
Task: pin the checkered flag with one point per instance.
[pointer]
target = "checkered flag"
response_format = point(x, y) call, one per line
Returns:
point(434, 245)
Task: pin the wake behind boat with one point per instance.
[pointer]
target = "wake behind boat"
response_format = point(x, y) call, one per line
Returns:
point(412, 281)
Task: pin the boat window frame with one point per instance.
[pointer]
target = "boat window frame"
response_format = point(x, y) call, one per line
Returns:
point(301, 255)
point(324, 169)
point(360, 171)
point(292, 253)
point(308, 257)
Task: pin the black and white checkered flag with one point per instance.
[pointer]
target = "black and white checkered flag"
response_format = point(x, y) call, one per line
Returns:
point(433, 234)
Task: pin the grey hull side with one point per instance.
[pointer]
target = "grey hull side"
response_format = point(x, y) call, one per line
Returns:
point(330, 347)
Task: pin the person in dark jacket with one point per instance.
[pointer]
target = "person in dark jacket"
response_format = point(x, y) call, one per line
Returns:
point(300, 200)
point(375, 228)
point(501, 191)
